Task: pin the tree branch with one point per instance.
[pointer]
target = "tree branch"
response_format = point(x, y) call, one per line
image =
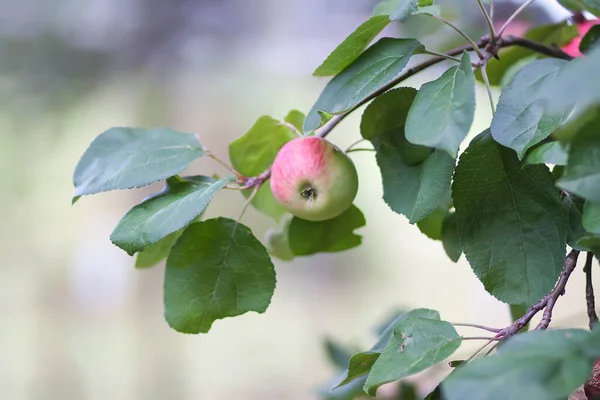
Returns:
point(559, 289)
point(589, 291)
point(486, 42)
point(570, 262)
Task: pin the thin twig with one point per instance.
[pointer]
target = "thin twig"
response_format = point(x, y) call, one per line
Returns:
point(559, 289)
point(447, 57)
point(513, 16)
point(479, 350)
point(223, 163)
point(488, 87)
point(492, 11)
point(247, 203)
point(360, 149)
point(354, 144)
point(589, 291)
point(474, 45)
point(291, 127)
point(485, 328)
point(488, 19)
point(480, 338)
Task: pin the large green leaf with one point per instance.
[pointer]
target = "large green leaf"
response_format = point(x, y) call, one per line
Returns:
point(443, 111)
point(373, 69)
point(255, 151)
point(509, 221)
point(332, 235)
point(592, 6)
point(556, 34)
point(124, 158)
point(431, 225)
point(415, 178)
point(591, 217)
point(417, 344)
point(536, 365)
point(582, 173)
point(573, 208)
point(352, 46)
point(547, 153)
point(520, 120)
point(182, 200)
point(216, 269)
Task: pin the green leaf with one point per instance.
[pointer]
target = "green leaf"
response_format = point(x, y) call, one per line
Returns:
point(352, 46)
point(182, 200)
point(547, 153)
point(509, 221)
point(372, 70)
point(296, 119)
point(590, 40)
point(536, 365)
point(415, 178)
point(216, 269)
point(556, 34)
point(383, 341)
point(521, 121)
point(591, 217)
point(332, 235)
point(277, 240)
point(443, 111)
point(582, 173)
point(360, 364)
point(417, 344)
point(592, 6)
point(157, 252)
point(255, 151)
point(590, 243)
point(571, 88)
point(125, 158)
point(573, 208)
point(431, 225)
point(450, 238)
point(401, 10)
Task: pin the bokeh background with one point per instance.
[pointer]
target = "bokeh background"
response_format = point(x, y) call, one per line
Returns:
point(77, 321)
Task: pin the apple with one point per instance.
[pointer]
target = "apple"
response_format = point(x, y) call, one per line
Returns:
point(583, 27)
point(313, 179)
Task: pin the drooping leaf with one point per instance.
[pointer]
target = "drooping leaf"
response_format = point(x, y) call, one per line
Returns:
point(547, 153)
point(372, 70)
point(417, 344)
point(157, 252)
point(415, 178)
point(582, 173)
point(555, 34)
point(352, 46)
point(216, 269)
point(536, 365)
point(431, 225)
point(591, 217)
point(360, 365)
point(450, 238)
point(592, 6)
point(442, 113)
point(509, 221)
point(332, 235)
point(255, 151)
point(354, 373)
point(573, 209)
point(277, 240)
point(590, 40)
point(520, 120)
point(337, 354)
point(125, 158)
point(182, 200)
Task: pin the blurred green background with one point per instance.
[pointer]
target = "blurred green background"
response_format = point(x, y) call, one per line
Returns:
point(77, 321)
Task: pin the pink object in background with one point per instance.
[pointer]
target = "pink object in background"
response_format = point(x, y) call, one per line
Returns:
point(572, 48)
